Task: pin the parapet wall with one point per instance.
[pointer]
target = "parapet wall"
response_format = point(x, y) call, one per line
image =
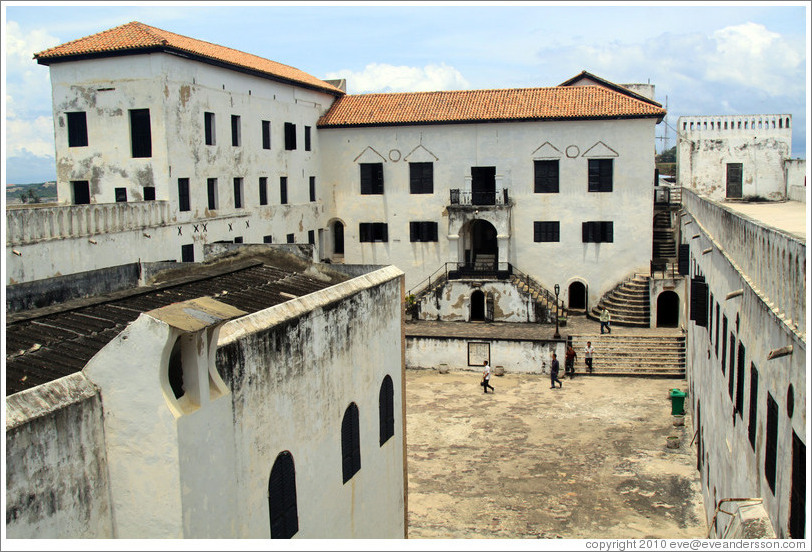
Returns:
point(736, 124)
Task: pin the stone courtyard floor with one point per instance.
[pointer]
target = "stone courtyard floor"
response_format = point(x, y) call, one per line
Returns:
point(586, 461)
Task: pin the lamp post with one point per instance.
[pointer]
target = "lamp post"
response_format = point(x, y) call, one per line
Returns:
point(557, 290)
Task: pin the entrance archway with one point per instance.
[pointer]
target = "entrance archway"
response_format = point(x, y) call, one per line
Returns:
point(668, 310)
point(483, 252)
point(577, 296)
point(338, 238)
point(477, 306)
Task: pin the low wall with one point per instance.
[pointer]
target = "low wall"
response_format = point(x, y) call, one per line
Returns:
point(797, 193)
point(517, 357)
point(452, 302)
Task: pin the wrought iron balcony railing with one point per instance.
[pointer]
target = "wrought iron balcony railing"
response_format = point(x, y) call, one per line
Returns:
point(467, 197)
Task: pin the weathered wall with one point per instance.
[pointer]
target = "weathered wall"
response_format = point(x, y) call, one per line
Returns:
point(761, 143)
point(452, 302)
point(796, 179)
point(757, 320)
point(526, 357)
point(56, 467)
point(658, 286)
point(293, 370)
point(511, 148)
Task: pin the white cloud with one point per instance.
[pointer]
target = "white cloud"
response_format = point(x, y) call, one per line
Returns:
point(382, 77)
point(32, 136)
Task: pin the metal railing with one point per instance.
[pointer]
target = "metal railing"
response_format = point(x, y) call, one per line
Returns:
point(666, 266)
point(667, 195)
point(467, 197)
point(548, 296)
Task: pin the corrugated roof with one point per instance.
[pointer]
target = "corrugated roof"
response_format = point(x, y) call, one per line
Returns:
point(53, 342)
point(463, 106)
point(134, 37)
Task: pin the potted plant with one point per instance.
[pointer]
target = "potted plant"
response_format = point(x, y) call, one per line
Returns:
point(411, 305)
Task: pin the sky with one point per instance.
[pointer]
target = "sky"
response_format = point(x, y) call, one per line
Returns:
point(704, 59)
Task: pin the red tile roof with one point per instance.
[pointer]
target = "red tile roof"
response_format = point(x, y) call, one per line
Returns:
point(136, 36)
point(463, 106)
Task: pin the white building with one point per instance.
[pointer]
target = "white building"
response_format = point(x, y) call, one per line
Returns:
point(202, 419)
point(189, 143)
point(736, 156)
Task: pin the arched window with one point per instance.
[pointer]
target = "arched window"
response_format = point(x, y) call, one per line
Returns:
point(386, 409)
point(350, 443)
point(282, 498)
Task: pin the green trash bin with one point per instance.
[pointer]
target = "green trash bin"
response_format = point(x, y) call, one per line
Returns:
point(678, 402)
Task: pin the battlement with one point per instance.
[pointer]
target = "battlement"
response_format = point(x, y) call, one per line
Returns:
point(721, 125)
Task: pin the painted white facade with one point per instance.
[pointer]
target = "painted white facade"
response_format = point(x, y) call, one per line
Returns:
point(453, 302)
point(124, 458)
point(511, 148)
point(761, 144)
point(756, 278)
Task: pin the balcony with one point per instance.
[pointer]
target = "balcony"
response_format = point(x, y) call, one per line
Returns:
point(467, 198)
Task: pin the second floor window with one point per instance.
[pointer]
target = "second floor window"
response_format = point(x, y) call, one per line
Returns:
point(373, 232)
point(235, 131)
point(307, 138)
point(208, 123)
point(600, 175)
point(422, 231)
point(183, 194)
point(546, 176)
point(263, 190)
point(238, 193)
point(77, 129)
point(266, 135)
point(421, 178)
point(597, 231)
point(371, 178)
point(546, 231)
point(283, 190)
point(290, 136)
point(140, 133)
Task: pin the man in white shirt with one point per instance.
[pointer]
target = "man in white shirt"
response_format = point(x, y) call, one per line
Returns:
point(486, 377)
point(588, 350)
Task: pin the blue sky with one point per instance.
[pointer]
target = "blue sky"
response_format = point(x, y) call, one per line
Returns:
point(722, 59)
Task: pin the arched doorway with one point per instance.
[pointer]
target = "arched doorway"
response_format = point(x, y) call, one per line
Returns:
point(338, 238)
point(577, 296)
point(482, 252)
point(477, 306)
point(668, 310)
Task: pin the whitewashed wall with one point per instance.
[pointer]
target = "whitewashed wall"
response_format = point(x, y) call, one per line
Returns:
point(732, 468)
point(453, 302)
point(511, 148)
point(703, 152)
point(518, 357)
point(796, 179)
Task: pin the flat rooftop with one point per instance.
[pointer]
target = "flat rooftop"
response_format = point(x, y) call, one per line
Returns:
point(789, 216)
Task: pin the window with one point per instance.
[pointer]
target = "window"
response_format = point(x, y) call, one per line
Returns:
point(77, 129)
point(183, 195)
point(291, 238)
point(235, 130)
point(596, 232)
point(267, 239)
point(386, 409)
point(282, 498)
point(208, 119)
point(311, 237)
point(238, 239)
point(81, 192)
point(238, 193)
point(290, 136)
point(740, 382)
point(600, 175)
point(263, 190)
point(424, 231)
point(546, 177)
point(373, 232)
point(710, 318)
point(716, 331)
point(731, 374)
point(212, 189)
point(771, 445)
point(371, 178)
point(752, 421)
point(312, 188)
point(421, 178)
point(724, 343)
point(283, 190)
point(699, 301)
point(307, 138)
point(546, 231)
point(140, 134)
point(266, 135)
point(149, 193)
point(175, 368)
point(350, 443)
point(797, 493)
point(187, 255)
point(683, 259)
point(121, 195)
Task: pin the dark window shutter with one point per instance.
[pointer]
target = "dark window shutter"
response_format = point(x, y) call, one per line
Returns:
point(282, 498)
point(384, 231)
point(752, 422)
point(140, 133)
point(607, 233)
point(77, 129)
point(771, 444)
point(350, 443)
point(699, 301)
point(266, 135)
point(415, 179)
point(378, 178)
point(290, 136)
point(684, 259)
point(414, 231)
point(537, 231)
point(363, 232)
point(585, 232)
point(740, 381)
point(386, 410)
point(433, 237)
point(731, 375)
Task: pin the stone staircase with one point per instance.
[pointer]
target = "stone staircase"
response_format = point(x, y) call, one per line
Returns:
point(664, 244)
point(652, 356)
point(628, 303)
point(545, 302)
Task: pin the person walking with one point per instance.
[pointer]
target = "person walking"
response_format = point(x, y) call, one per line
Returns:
point(588, 350)
point(605, 319)
point(486, 377)
point(554, 374)
point(569, 361)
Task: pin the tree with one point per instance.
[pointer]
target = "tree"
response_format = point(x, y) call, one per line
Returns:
point(668, 156)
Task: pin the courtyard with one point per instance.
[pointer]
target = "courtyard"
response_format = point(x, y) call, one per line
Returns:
point(585, 461)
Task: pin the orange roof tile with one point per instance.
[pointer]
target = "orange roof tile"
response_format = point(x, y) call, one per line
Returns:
point(137, 36)
point(515, 104)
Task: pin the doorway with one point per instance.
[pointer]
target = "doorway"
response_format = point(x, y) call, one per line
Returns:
point(483, 185)
point(484, 252)
point(577, 296)
point(338, 238)
point(734, 181)
point(667, 310)
point(477, 306)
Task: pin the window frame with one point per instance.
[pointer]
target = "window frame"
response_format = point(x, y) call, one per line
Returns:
point(545, 180)
point(373, 232)
point(140, 133)
point(290, 136)
point(212, 193)
point(236, 134)
point(121, 195)
point(209, 128)
point(307, 138)
point(372, 182)
point(350, 443)
point(263, 190)
point(77, 129)
point(421, 178)
point(423, 231)
point(546, 231)
point(283, 190)
point(597, 231)
point(600, 175)
point(266, 135)
point(184, 199)
point(312, 188)
point(386, 410)
point(238, 192)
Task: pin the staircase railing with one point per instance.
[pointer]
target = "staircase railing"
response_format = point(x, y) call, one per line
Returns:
point(548, 296)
